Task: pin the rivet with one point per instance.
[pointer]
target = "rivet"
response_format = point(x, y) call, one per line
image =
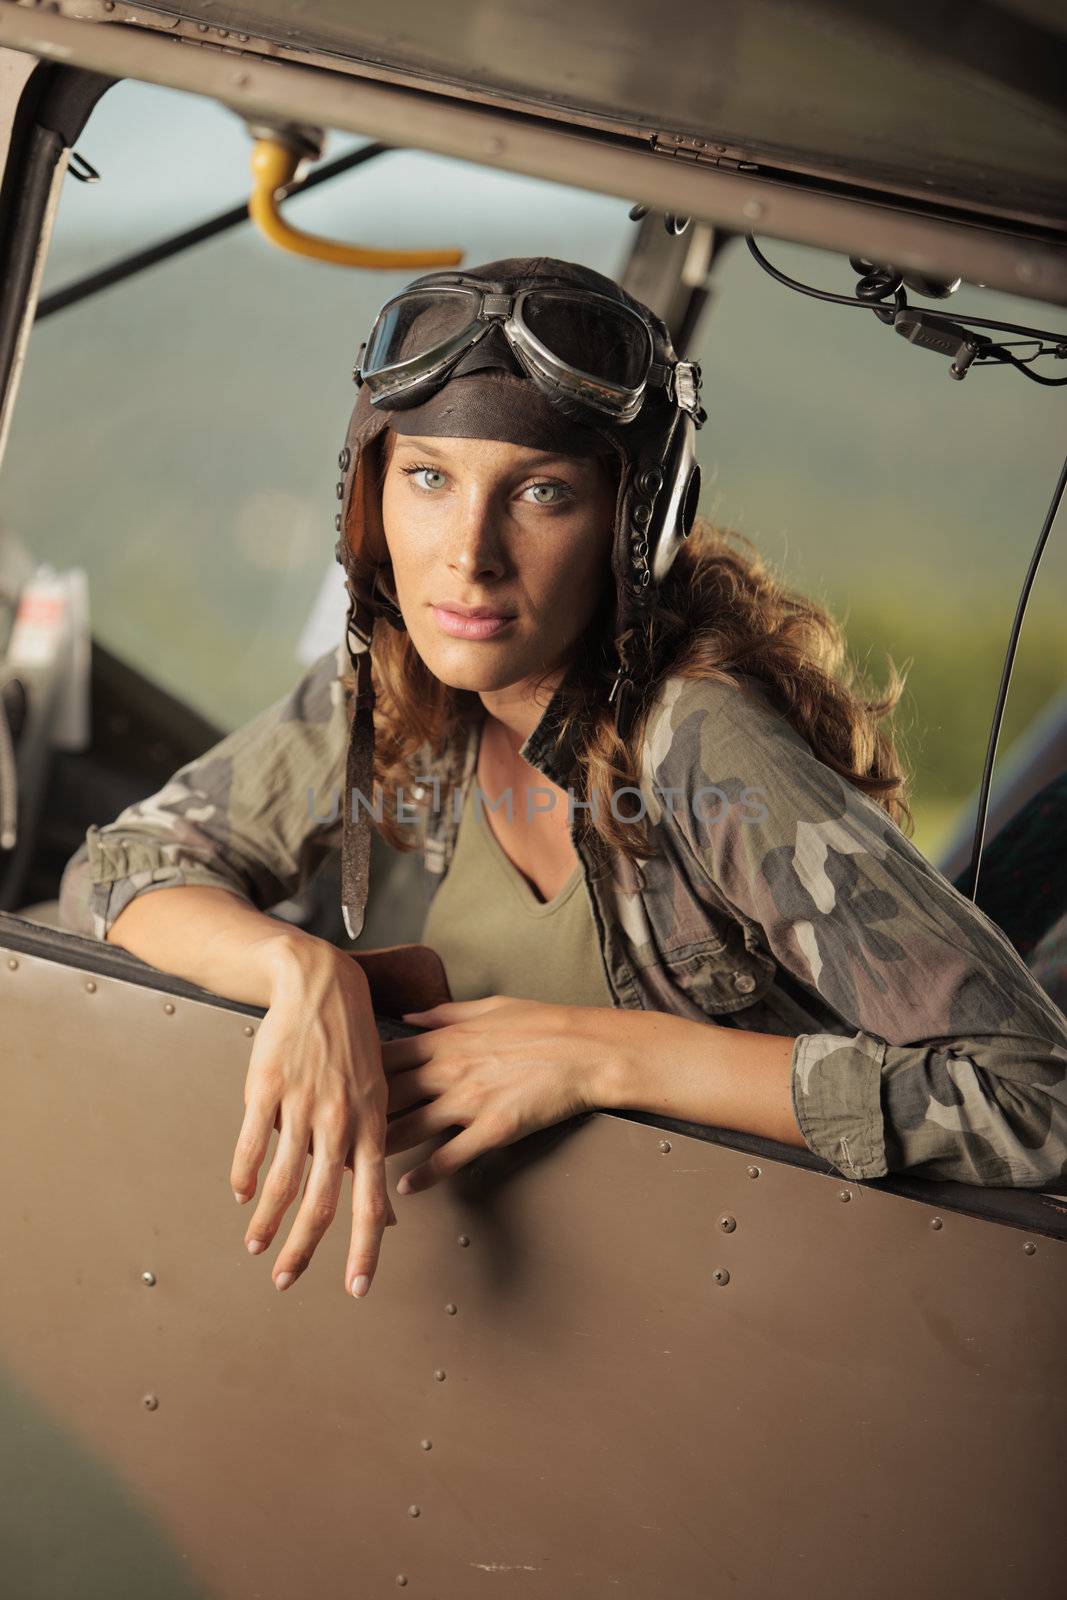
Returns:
point(642, 513)
point(150, 1402)
point(340, 491)
point(464, 1240)
point(337, 523)
point(413, 1511)
point(12, 964)
point(721, 1275)
point(244, 37)
point(451, 1309)
point(439, 1375)
point(248, 1030)
point(844, 1194)
point(169, 1008)
point(753, 1172)
point(753, 209)
point(90, 987)
point(665, 1145)
point(727, 1224)
point(401, 1581)
point(201, 27)
point(240, 79)
point(344, 460)
point(650, 482)
point(936, 1224)
point(148, 1277)
point(109, 5)
point(1029, 1247)
point(427, 1444)
point(744, 982)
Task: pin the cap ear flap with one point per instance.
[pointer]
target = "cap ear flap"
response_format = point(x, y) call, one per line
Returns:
point(363, 525)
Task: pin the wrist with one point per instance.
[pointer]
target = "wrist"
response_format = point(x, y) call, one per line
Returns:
point(617, 1057)
point(292, 958)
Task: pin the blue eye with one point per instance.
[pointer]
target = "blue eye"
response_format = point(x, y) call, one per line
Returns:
point(559, 492)
point(410, 472)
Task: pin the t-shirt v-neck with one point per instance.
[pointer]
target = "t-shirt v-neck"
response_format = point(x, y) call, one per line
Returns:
point(495, 936)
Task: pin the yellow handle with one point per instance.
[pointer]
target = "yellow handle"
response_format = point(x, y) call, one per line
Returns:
point(273, 166)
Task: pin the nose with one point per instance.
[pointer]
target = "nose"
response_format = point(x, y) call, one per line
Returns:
point(476, 553)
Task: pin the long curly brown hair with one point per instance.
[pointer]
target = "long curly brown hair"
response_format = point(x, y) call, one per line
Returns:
point(721, 610)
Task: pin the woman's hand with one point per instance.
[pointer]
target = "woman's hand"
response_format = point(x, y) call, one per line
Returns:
point(315, 1073)
point(498, 1068)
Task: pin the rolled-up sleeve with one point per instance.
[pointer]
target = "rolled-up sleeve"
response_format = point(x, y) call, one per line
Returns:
point(255, 815)
point(951, 1060)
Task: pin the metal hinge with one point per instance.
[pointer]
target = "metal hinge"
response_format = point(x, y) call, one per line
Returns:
point(703, 151)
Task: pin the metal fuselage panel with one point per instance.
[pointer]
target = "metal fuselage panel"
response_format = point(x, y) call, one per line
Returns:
point(612, 1360)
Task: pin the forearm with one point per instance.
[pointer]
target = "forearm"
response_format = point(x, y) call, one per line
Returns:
point(213, 938)
point(698, 1072)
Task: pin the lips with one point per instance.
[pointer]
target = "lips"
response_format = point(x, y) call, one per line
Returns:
point(472, 611)
point(463, 625)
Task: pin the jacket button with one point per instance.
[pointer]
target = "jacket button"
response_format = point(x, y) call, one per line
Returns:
point(744, 981)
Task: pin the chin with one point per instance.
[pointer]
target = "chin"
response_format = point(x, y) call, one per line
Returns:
point(466, 664)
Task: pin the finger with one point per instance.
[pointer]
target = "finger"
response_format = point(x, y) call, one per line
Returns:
point(406, 1089)
point(446, 1160)
point(456, 1010)
point(317, 1210)
point(252, 1145)
point(400, 1054)
point(282, 1183)
point(371, 1210)
point(417, 1126)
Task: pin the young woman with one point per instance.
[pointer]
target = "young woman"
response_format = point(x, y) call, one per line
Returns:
point(660, 829)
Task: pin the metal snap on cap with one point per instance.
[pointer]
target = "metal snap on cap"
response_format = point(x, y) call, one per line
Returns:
point(650, 482)
point(744, 982)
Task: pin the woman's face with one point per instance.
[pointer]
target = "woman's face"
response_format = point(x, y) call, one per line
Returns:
point(480, 523)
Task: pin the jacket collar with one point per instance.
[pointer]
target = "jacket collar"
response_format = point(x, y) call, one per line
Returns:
point(547, 748)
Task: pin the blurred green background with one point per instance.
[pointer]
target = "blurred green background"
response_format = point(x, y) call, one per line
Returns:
point(177, 435)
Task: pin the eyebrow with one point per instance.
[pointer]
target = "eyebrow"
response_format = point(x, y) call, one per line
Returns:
point(431, 446)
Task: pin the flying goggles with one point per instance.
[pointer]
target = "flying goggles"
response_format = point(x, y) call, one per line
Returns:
point(556, 335)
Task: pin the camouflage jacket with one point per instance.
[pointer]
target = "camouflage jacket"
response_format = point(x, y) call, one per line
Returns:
point(784, 900)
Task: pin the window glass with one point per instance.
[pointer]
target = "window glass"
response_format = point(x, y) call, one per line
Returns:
point(907, 501)
point(177, 434)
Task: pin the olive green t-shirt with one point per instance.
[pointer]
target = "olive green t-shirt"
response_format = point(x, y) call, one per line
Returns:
point(496, 937)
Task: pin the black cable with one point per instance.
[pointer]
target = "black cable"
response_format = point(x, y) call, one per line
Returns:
point(1036, 377)
point(968, 884)
point(877, 306)
point(129, 266)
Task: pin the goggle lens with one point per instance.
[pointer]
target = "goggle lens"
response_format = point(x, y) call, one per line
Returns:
point(416, 322)
point(604, 341)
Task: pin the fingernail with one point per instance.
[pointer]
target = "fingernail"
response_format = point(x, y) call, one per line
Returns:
point(284, 1279)
point(239, 1197)
point(360, 1286)
point(254, 1246)
point(404, 1186)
